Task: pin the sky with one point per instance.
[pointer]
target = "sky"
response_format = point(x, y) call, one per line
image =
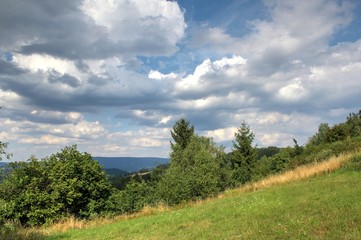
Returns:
point(113, 76)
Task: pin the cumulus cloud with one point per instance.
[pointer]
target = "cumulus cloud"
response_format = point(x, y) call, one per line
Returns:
point(295, 30)
point(92, 29)
point(159, 76)
point(146, 27)
point(292, 92)
point(215, 78)
point(96, 73)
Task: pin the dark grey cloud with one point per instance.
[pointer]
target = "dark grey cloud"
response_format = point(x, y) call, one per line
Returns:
point(64, 29)
point(106, 92)
point(56, 77)
point(8, 68)
point(76, 72)
point(41, 116)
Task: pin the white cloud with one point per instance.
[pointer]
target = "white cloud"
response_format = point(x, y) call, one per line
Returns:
point(160, 76)
point(165, 120)
point(292, 92)
point(47, 139)
point(136, 24)
point(213, 77)
point(275, 139)
point(74, 77)
point(223, 134)
point(46, 63)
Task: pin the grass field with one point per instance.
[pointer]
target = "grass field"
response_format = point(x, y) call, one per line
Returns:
point(301, 204)
point(322, 207)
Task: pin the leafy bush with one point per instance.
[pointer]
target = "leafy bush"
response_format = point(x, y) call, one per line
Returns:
point(134, 197)
point(194, 172)
point(67, 183)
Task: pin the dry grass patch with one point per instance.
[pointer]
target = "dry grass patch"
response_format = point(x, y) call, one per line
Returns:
point(302, 172)
point(74, 223)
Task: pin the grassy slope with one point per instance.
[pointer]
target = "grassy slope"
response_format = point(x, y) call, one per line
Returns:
point(322, 207)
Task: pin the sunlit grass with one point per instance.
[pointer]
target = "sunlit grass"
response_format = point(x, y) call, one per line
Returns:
point(283, 204)
point(324, 207)
point(279, 207)
point(301, 172)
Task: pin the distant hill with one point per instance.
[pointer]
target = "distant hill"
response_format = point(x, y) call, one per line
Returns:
point(3, 164)
point(115, 172)
point(130, 164)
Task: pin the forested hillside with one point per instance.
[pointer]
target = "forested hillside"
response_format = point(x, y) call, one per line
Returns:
point(72, 184)
point(131, 164)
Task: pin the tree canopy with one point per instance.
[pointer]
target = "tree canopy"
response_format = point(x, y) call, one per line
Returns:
point(244, 155)
point(196, 173)
point(66, 183)
point(181, 133)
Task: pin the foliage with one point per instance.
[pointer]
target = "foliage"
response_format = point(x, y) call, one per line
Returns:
point(133, 198)
point(323, 207)
point(244, 155)
point(67, 183)
point(194, 173)
point(72, 183)
point(338, 132)
point(321, 136)
point(181, 134)
point(297, 150)
point(78, 181)
point(267, 152)
point(354, 124)
point(3, 152)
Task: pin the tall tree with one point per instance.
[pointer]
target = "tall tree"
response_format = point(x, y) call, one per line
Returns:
point(244, 155)
point(321, 136)
point(197, 173)
point(181, 133)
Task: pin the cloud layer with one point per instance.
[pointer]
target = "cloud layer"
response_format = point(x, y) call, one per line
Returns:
point(114, 76)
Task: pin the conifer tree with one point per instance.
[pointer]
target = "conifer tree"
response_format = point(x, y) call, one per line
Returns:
point(181, 133)
point(244, 155)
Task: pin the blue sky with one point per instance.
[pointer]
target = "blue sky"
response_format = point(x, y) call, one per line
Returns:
point(113, 76)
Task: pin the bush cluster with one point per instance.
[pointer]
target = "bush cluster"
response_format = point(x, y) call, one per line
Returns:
point(70, 183)
point(41, 191)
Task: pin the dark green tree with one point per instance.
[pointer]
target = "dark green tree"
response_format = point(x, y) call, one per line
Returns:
point(354, 124)
point(27, 194)
point(244, 155)
point(78, 181)
point(321, 136)
point(181, 133)
point(297, 149)
point(133, 197)
point(197, 172)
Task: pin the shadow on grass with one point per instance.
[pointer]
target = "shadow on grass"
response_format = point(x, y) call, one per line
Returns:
point(31, 236)
point(25, 235)
point(21, 236)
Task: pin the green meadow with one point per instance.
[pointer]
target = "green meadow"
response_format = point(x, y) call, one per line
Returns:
point(326, 206)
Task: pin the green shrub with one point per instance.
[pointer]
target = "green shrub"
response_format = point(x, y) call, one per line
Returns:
point(195, 174)
point(134, 197)
point(67, 183)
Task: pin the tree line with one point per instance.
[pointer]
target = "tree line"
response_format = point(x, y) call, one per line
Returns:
point(71, 183)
